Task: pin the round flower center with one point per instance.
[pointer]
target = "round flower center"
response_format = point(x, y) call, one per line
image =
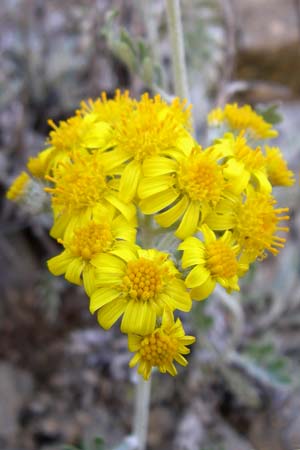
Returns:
point(158, 348)
point(201, 178)
point(91, 240)
point(142, 280)
point(256, 224)
point(80, 184)
point(221, 260)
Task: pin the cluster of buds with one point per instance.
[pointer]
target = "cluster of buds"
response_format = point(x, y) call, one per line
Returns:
point(121, 172)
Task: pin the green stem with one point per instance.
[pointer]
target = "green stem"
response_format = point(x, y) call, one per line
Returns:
point(142, 404)
point(177, 48)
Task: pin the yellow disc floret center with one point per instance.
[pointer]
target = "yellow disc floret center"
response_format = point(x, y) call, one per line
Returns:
point(221, 260)
point(80, 184)
point(151, 129)
point(201, 179)
point(142, 280)
point(91, 240)
point(158, 349)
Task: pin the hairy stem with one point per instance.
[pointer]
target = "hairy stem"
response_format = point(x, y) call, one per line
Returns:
point(142, 404)
point(177, 47)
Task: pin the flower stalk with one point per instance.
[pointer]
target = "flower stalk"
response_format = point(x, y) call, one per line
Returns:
point(177, 45)
point(142, 406)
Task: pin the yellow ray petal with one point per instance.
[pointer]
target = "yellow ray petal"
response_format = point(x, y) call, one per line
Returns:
point(171, 369)
point(58, 264)
point(208, 234)
point(264, 183)
point(167, 218)
point(134, 342)
point(129, 181)
point(107, 279)
point(128, 210)
point(203, 291)
point(134, 360)
point(197, 276)
point(110, 313)
point(59, 226)
point(180, 359)
point(101, 297)
point(74, 270)
point(109, 264)
point(124, 251)
point(191, 243)
point(177, 296)
point(89, 279)
point(189, 222)
point(193, 256)
point(158, 165)
point(157, 202)
point(139, 318)
point(154, 185)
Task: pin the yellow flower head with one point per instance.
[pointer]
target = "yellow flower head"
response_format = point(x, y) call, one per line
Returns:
point(152, 128)
point(256, 224)
point(111, 235)
point(213, 261)
point(243, 118)
point(277, 169)
point(79, 132)
point(107, 110)
point(164, 345)
point(83, 190)
point(244, 164)
point(138, 288)
point(19, 187)
point(189, 188)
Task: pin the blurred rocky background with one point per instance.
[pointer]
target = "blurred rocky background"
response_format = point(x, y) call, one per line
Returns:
point(63, 380)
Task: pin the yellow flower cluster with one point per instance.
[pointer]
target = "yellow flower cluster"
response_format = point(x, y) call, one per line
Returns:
point(119, 160)
point(242, 119)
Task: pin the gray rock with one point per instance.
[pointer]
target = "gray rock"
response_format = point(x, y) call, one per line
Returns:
point(266, 24)
point(226, 438)
point(16, 387)
point(191, 432)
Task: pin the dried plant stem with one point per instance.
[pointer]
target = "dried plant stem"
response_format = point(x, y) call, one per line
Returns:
point(142, 404)
point(177, 48)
